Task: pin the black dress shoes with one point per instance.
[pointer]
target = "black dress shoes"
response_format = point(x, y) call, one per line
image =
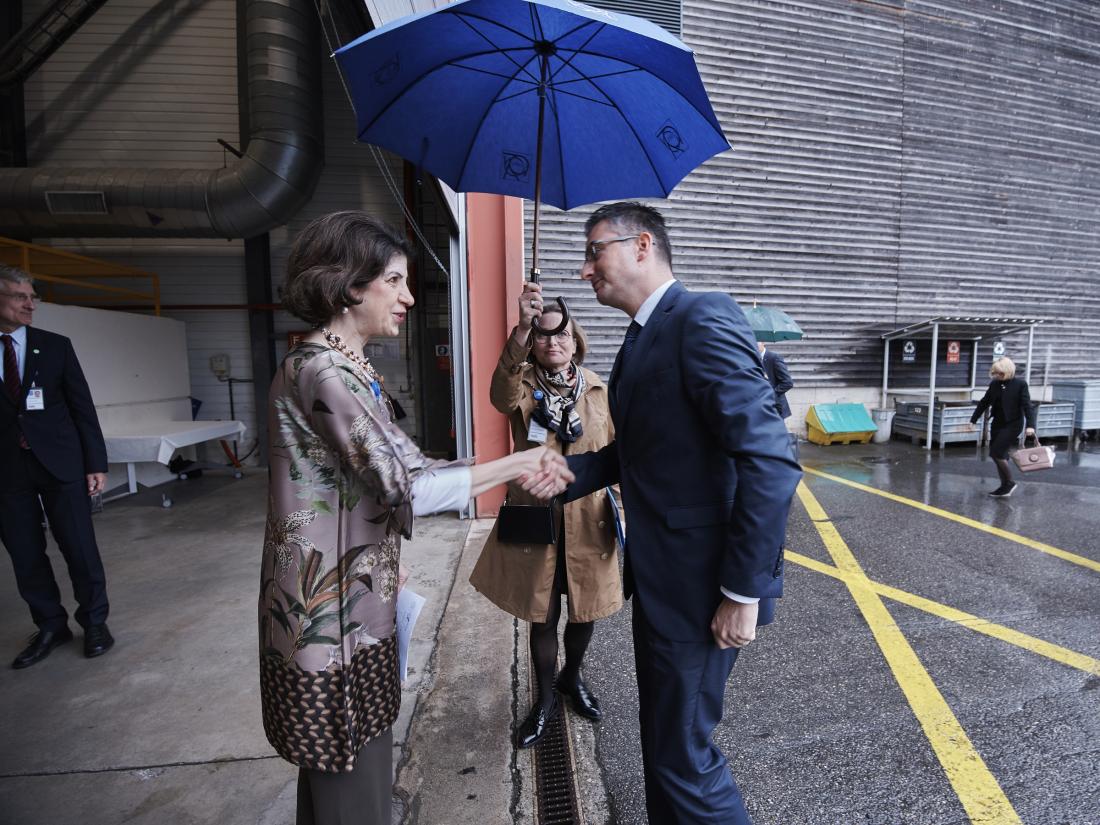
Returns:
point(41, 644)
point(97, 640)
point(584, 703)
point(534, 726)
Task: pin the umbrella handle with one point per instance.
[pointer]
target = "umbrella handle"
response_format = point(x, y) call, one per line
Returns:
point(564, 309)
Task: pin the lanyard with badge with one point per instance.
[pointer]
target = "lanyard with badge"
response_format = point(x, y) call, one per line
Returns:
point(536, 433)
point(36, 399)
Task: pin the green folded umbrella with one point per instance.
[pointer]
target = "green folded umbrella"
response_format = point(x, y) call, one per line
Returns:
point(770, 325)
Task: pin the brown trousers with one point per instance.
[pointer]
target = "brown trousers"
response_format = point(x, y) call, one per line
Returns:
point(361, 797)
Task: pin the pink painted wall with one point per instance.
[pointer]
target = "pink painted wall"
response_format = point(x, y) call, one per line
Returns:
point(495, 267)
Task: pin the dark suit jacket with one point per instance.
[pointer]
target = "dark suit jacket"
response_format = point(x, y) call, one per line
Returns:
point(704, 462)
point(65, 436)
point(1014, 407)
point(780, 379)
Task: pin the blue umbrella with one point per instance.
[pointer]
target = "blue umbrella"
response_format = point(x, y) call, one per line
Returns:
point(550, 100)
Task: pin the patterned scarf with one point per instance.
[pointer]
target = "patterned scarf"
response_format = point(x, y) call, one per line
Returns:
point(553, 408)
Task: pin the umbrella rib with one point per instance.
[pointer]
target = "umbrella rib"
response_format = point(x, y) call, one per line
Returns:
point(502, 76)
point(579, 49)
point(481, 122)
point(496, 49)
point(636, 67)
point(536, 23)
point(637, 137)
point(396, 98)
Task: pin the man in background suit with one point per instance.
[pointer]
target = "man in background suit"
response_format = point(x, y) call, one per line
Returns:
point(53, 457)
point(707, 479)
point(778, 376)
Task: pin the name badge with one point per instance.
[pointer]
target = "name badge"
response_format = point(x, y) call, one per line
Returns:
point(35, 399)
point(536, 433)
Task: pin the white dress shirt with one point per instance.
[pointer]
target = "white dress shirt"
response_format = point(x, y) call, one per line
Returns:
point(439, 490)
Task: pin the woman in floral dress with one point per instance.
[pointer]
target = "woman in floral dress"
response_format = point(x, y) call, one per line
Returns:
point(344, 485)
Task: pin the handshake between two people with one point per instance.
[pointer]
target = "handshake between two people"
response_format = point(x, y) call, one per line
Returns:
point(542, 472)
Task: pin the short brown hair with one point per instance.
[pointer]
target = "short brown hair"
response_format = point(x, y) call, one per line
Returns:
point(333, 255)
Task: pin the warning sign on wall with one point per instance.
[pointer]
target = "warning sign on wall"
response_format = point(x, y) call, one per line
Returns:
point(952, 352)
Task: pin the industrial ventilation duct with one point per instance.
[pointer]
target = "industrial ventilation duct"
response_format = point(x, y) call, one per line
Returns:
point(262, 190)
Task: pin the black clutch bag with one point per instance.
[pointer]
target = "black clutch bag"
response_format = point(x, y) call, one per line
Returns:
point(527, 524)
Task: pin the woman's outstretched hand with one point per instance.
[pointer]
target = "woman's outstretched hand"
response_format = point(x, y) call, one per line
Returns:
point(543, 473)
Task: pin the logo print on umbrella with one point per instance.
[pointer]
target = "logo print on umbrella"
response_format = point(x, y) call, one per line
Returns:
point(670, 136)
point(516, 166)
point(387, 71)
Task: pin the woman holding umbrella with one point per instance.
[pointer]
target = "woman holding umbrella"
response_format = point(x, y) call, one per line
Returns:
point(344, 485)
point(551, 399)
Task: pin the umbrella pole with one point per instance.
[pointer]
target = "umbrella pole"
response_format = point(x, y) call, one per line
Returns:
point(535, 273)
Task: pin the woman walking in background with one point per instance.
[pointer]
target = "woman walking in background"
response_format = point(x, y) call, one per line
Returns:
point(551, 399)
point(344, 485)
point(1009, 402)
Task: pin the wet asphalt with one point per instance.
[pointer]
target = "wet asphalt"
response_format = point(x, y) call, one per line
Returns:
point(819, 729)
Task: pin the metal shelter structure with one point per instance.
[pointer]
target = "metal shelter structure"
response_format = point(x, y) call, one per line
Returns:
point(956, 328)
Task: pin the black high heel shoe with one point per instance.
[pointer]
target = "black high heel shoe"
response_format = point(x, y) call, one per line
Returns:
point(534, 726)
point(584, 703)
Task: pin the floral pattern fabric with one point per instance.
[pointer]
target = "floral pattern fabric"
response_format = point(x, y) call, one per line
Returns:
point(340, 483)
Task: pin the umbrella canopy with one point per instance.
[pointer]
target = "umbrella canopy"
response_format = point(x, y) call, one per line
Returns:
point(499, 96)
point(770, 325)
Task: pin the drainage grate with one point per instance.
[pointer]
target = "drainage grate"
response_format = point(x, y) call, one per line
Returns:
point(555, 789)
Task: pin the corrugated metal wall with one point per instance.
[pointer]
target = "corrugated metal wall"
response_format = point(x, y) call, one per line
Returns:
point(1001, 170)
point(891, 161)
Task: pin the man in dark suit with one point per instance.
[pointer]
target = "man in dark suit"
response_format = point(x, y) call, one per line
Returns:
point(707, 477)
point(775, 368)
point(54, 458)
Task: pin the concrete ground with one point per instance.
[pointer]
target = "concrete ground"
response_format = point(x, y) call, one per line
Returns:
point(936, 660)
point(166, 727)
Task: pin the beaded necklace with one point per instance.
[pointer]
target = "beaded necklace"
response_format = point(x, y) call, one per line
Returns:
point(374, 378)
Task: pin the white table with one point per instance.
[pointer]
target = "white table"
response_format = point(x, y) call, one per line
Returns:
point(159, 440)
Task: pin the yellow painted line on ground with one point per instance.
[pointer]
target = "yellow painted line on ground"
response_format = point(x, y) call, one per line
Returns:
point(1084, 561)
point(1051, 651)
point(979, 793)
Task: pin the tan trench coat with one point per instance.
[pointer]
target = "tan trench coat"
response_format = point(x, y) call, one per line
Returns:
point(519, 579)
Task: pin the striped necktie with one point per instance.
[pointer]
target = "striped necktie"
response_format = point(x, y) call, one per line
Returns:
point(12, 382)
point(11, 368)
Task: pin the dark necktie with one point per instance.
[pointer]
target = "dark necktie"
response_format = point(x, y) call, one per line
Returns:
point(624, 353)
point(11, 377)
point(628, 341)
point(11, 368)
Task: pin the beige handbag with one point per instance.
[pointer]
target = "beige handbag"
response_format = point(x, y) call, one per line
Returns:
point(1034, 458)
